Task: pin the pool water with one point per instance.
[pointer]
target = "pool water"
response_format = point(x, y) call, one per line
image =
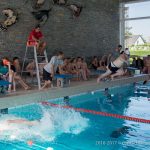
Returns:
point(66, 129)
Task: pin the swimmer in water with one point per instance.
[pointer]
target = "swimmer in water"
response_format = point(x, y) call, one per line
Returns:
point(121, 131)
point(108, 95)
point(23, 121)
point(66, 100)
point(5, 126)
point(125, 130)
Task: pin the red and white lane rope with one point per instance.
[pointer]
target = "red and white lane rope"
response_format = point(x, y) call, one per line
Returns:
point(98, 113)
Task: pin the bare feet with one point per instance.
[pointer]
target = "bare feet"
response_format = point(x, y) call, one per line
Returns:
point(27, 88)
point(112, 77)
point(98, 80)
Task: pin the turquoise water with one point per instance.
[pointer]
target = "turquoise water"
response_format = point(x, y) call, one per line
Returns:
point(64, 129)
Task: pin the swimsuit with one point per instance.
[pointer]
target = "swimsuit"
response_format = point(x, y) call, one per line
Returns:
point(112, 67)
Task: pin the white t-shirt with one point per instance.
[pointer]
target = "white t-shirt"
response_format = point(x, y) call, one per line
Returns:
point(54, 61)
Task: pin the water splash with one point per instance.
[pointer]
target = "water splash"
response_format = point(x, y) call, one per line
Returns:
point(54, 122)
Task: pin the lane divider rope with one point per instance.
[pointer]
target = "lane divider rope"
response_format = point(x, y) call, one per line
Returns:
point(98, 112)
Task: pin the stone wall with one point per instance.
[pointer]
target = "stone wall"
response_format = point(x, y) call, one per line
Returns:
point(95, 32)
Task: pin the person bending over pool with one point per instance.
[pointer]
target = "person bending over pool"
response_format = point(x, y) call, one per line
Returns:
point(51, 68)
point(114, 68)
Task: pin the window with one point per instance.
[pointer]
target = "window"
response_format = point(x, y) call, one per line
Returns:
point(134, 10)
point(134, 27)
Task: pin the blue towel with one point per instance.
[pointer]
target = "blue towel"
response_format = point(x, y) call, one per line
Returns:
point(3, 70)
point(4, 83)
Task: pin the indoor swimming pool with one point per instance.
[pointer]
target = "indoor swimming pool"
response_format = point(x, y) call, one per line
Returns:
point(72, 123)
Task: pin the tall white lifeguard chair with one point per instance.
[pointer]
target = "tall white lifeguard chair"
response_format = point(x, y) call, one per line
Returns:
point(32, 46)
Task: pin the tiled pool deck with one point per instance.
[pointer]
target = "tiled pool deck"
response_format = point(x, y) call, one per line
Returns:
point(34, 96)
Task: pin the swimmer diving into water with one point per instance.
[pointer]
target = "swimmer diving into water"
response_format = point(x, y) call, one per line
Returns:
point(115, 68)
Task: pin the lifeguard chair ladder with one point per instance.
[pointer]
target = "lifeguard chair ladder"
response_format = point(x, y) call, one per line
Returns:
point(32, 45)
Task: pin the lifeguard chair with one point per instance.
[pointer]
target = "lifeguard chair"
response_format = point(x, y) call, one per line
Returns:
point(32, 46)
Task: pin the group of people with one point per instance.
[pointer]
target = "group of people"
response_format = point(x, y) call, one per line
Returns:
point(13, 73)
point(78, 66)
point(101, 64)
point(143, 64)
point(61, 65)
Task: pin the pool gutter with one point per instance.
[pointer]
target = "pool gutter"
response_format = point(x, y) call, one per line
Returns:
point(39, 96)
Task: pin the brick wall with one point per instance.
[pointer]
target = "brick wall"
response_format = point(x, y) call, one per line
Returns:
point(95, 32)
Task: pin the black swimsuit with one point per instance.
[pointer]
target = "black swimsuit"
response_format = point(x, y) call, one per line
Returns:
point(12, 67)
point(112, 69)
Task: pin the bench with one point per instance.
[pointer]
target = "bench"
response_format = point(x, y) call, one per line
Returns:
point(63, 80)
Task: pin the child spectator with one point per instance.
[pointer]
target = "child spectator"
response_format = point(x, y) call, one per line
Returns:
point(85, 68)
point(73, 68)
point(13, 76)
point(31, 68)
point(64, 68)
point(17, 70)
point(134, 62)
point(16, 64)
point(81, 66)
point(140, 63)
point(146, 68)
point(109, 58)
point(103, 63)
point(41, 66)
point(10, 74)
point(94, 63)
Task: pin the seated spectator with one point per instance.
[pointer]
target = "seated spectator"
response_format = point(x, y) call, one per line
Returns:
point(146, 68)
point(36, 37)
point(10, 74)
point(73, 68)
point(85, 68)
point(101, 66)
point(109, 58)
point(134, 62)
point(41, 66)
point(17, 71)
point(31, 68)
point(103, 63)
point(81, 68)
point(94, 63)
point(140, 63)
point(13, 76)
point(16, 64)
point(115, 67)
point(64, 68)
point(68, 66)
